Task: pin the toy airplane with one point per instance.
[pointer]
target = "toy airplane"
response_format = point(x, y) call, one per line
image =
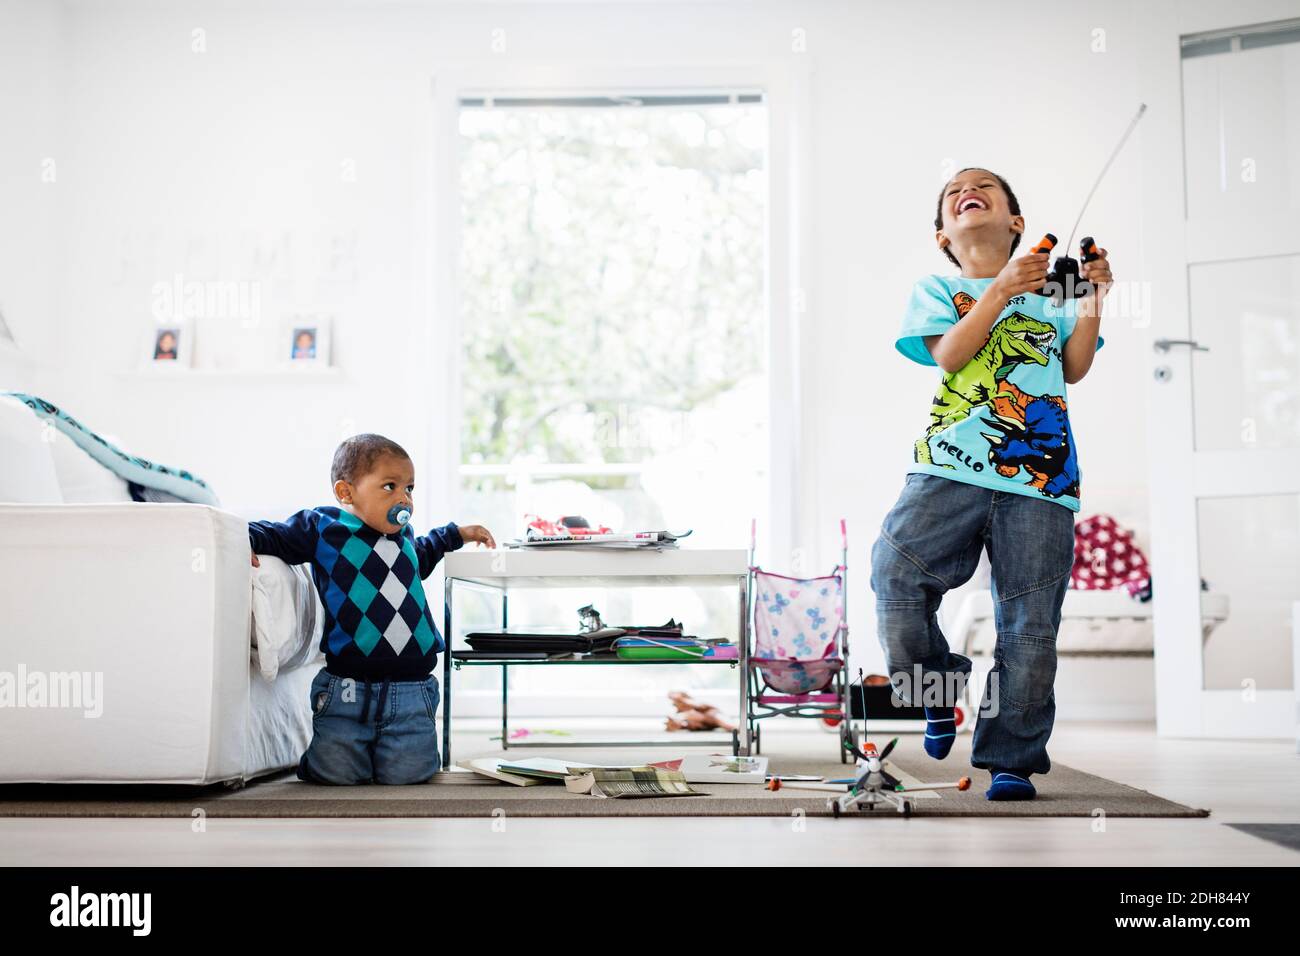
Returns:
point(875, 785)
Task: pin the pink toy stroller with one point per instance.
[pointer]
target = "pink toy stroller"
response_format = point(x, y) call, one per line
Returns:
point(799, 665)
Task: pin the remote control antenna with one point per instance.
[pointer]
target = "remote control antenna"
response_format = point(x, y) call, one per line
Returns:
point(1142, 108)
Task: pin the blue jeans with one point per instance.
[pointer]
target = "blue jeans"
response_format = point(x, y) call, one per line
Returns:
point(381, 732)
point(930, 542)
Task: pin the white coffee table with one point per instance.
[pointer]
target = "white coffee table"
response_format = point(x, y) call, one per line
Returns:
point(505, 570)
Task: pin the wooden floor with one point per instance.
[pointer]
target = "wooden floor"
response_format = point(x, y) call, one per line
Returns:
point(1196, 772)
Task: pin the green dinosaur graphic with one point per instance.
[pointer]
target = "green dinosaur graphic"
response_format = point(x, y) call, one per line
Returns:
point(1013, 340)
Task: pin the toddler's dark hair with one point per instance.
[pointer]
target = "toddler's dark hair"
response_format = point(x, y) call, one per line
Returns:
point(355, 456)
point(1012, 202)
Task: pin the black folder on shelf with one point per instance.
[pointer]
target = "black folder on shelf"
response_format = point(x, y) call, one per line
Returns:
point(542, 641)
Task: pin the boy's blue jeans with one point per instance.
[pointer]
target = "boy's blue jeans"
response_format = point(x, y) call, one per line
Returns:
point(930, 542)
point(381, 732)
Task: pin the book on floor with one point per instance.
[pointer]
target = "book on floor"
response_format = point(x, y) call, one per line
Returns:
point(719, 768)
point(491, 767)
point(631, 782)
point(545, 768)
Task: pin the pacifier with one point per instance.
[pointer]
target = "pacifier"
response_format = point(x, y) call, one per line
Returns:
point(399, 515)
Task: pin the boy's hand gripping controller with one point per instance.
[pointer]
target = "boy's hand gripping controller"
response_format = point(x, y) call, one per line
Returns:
point(1064, 281)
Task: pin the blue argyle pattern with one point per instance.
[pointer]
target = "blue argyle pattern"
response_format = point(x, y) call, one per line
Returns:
point(378, 624)
point(372, 595)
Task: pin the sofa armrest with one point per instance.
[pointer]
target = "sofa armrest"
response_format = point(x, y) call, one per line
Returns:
point(136, 618)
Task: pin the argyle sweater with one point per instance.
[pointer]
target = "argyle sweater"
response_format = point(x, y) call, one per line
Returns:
point(378, 625)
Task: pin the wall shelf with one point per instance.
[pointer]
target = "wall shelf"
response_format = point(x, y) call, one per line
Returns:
point(267, 376)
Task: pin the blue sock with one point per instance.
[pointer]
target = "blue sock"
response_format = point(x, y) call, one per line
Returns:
point(1010, 785)
point(940, 731)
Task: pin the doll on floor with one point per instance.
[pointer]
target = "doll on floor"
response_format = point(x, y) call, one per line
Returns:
point(692, 715)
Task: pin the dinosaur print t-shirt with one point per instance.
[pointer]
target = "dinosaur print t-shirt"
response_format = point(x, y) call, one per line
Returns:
point(1001, 421)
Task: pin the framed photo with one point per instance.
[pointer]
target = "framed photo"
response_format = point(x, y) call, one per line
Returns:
point(307, 340)
point(166, 345)
point(171, 345)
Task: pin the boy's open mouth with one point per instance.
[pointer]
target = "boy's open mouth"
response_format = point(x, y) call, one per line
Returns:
point(969, 203)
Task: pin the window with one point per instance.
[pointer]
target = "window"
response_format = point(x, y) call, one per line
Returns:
point(614, 311)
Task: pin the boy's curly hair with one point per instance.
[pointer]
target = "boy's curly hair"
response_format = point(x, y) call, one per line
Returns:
point(1012, 202)
point(355, 456)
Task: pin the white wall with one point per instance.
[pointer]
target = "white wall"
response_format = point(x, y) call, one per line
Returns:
point(31, 69)
point(176, 161)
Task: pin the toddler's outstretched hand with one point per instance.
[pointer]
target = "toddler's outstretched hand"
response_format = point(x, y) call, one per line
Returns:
point(256, 563)
point(476, 532)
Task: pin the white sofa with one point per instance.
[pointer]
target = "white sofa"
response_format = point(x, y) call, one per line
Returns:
point(152, 603)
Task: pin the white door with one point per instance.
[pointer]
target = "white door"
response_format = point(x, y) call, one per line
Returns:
point(1221, 197)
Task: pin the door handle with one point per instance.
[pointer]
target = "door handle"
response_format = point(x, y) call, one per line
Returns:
point(1164, 345)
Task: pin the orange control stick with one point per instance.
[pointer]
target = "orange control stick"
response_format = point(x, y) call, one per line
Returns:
point(1046, 244)
point(1089, 249)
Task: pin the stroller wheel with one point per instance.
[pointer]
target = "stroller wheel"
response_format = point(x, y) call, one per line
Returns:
point(907, 809)
point(835, 808)
point(735, 743)
point(758, 738)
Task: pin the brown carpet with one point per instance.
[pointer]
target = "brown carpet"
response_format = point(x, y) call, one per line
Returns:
point(1065, 792)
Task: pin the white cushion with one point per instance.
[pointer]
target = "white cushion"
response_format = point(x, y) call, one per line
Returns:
point(287, 616)
point(82, 479)
point(27, 474)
